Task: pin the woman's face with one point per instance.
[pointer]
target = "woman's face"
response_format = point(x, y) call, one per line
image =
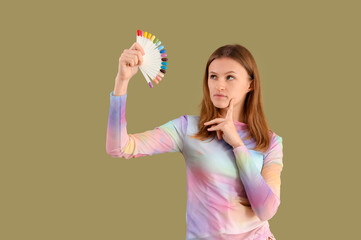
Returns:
point(228, 77)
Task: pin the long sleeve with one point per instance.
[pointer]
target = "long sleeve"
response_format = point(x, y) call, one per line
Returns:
point(165, 138)
point(262, 189)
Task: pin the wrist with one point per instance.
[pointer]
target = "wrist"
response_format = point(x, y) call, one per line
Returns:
point(238, 145)
point(118, 78)
point(120, 87)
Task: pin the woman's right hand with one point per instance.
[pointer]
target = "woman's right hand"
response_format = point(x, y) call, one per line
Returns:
point(129, 62)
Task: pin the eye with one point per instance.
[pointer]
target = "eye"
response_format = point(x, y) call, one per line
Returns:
point(211, 76)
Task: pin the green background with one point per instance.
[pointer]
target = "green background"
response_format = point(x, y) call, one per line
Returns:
point(58, 65)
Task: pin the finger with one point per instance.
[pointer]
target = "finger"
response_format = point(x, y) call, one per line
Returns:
point(213, 128)
point(136, 46)
point(135, 56)
point(136, 60)
point(137, 53)
point(140, 58)
point(131, 51)
point(218, 135)
point(129, 61)
point(216, 120)
point(230, 109)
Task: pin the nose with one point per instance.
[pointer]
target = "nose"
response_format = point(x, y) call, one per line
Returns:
point(220, 87)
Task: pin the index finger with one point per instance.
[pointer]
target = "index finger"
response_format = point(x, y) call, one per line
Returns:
point(136, 46)
point(230, 108)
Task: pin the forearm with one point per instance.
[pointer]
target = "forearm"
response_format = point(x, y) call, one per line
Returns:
point(263, 200)
point(120, 87)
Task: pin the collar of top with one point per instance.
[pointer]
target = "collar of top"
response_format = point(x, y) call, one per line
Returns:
point(240, 125)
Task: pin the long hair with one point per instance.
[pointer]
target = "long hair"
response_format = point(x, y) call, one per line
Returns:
point(253, 114)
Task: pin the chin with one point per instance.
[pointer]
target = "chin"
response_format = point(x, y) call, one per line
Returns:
point(220, 105)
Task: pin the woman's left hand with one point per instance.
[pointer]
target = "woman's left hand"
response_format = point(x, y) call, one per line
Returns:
point(226, 128)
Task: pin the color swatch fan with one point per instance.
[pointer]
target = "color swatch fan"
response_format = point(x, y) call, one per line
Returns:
point(155, 63)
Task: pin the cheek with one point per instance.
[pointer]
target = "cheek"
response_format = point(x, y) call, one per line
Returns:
point(210, 86)
point(242, 88)
point(238, 93)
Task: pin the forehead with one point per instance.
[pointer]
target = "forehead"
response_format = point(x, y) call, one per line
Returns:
point(224, 65)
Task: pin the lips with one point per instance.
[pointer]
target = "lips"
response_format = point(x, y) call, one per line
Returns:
point(219, 95)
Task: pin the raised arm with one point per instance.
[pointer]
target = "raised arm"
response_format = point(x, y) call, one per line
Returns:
point(165, 138)
point(262, 189)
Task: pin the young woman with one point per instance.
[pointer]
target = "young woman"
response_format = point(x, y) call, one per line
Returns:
point(233, 160)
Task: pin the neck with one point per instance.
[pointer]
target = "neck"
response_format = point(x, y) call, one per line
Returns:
point(237, 116)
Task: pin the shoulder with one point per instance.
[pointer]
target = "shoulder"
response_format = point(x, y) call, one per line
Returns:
point(181, 123)
point(188, 119)
point(183, 119)
point(193, 120)
point(276, 144)
point(187, 123)
point(275, 137)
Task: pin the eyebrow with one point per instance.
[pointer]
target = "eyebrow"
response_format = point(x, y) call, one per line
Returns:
point(226, 72)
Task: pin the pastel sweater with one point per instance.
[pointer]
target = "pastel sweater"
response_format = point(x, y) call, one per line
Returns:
point(231, 192)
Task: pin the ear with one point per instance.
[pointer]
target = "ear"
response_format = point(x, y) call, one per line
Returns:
point(251, 86)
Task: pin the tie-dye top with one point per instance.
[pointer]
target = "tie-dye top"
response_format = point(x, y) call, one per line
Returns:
point(231, 192)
